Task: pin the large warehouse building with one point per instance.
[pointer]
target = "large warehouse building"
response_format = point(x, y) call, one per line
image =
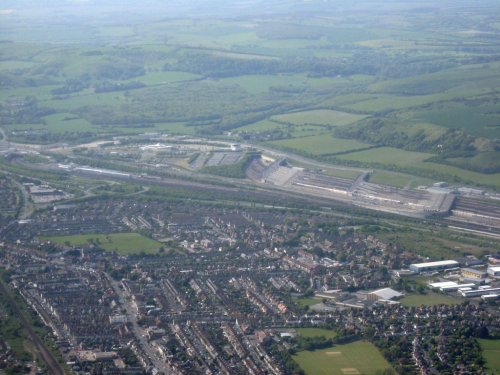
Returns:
point(434, 266)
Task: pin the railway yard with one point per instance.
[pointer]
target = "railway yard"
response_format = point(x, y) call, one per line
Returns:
point(176, 160)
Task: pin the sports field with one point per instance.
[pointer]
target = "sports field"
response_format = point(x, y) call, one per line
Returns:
point(429, 299)
point(491, 353)
point(122, 243)
point(360, 357)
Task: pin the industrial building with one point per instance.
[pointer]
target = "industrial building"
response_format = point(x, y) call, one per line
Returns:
point(385, 294)
point(434, 266)
point(480, 292)
point(474, 274)
point(450, 286)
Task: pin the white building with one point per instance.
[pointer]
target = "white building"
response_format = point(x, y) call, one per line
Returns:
point(434, 266)
point(493, 271)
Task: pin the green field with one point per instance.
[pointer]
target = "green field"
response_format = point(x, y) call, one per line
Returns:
point(122, 243)
point(317, 332)
point(491, 353)
point(360, 357)
point(387, 155)
point(320, 144)
point(398, 179)
point(262, 126)
point(319, 117)
point(379, 103)
point(429, 299)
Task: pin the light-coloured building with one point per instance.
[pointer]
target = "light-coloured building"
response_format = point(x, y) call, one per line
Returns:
point(386, 294)
point(473, 274)
point(434, 266)
point(493, 271)
point(480, 292)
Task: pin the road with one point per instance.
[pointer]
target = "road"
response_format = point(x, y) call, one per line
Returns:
point(304, 160)
point(139, 333)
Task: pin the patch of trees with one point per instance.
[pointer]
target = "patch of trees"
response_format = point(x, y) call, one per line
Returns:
point(119, 71)
point(23, 111)
point(362, 61)
point(214, 66)
point(108, 86)
point(71, 86)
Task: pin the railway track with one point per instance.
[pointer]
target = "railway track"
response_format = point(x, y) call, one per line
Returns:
point(44, 354)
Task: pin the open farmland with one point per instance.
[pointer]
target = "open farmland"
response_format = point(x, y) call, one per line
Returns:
point(360, 357)
point(122, 243)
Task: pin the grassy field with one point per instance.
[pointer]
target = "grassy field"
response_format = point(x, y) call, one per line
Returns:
point(399, 179)
point(320, 144)
point(317, 332)
point(429, 299)
point(491, 353)
point(379, 103)
point(387, 155)
point(360, 357)
point(319, 117)
point(123, 243)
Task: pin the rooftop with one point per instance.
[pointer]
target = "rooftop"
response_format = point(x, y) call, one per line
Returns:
point(436, 264)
